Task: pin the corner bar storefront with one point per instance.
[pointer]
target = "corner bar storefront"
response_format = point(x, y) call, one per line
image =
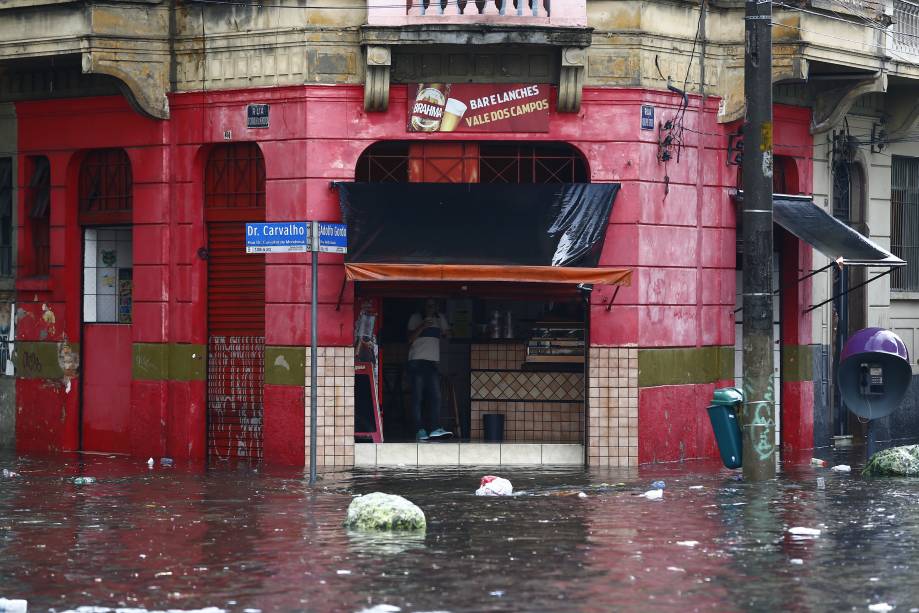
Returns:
point(589, 285)
point(512, 267)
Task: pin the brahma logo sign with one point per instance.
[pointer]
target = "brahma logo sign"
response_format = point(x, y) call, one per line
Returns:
point(473, 107)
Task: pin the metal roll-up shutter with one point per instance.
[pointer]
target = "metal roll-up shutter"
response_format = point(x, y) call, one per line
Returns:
point(234, 186)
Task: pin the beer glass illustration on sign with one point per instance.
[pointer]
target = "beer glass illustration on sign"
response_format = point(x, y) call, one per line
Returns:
point(428, 110)
point(453, 112)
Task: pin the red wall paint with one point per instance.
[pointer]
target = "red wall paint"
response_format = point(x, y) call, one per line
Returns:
point(793, 140)
point(106, 390)
point(673, 424)
point(666, 317)
point(284, 425)
point(316, 136)
point(186, 420)
point(46, 416)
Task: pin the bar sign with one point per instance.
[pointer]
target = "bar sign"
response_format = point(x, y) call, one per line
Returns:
point(257, 116)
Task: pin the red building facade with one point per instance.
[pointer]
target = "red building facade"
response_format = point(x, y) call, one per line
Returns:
point(137, 379)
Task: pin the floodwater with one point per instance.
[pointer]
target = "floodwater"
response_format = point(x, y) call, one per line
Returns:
point(243, 538)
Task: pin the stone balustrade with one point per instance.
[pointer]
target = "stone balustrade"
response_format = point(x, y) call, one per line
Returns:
point(560, 13)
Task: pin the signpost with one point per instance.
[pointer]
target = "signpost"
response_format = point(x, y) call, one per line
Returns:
point(299, 237)
point(326, 238)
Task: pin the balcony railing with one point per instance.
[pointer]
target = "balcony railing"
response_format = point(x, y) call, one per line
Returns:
point(905, 27)
point(518, 8)
point(563, 13)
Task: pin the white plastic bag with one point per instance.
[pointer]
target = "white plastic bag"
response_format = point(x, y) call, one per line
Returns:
point(494, 486)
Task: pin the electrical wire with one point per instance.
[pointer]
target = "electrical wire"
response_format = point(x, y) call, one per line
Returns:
point(873, 24)
point(258, 4)
point(896, 55)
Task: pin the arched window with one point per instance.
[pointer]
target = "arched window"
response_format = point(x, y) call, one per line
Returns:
point(38, 209)
point(234, 182)
point(842, 191)
point(784, 175)
point(106, 188)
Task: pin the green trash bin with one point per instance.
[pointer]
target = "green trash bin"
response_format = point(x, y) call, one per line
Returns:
point(724, 414)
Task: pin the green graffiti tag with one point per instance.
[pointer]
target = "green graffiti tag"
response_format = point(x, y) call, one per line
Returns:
point(762, 424)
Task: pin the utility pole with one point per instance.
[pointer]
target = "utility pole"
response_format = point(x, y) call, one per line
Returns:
point(758, 417)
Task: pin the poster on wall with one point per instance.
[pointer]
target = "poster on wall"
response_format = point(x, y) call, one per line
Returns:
point(7, 334)
point(478, 107)
point(125, 295)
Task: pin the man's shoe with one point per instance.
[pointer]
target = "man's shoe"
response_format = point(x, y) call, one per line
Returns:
point(441, 433)
point(421, 435)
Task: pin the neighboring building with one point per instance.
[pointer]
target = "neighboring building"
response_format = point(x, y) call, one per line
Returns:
point(8, 188)
point(148, 132)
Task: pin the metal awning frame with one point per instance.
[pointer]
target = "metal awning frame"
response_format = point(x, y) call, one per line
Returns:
point(840, 262)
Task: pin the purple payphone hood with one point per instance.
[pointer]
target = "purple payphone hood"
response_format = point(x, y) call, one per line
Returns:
point(874, 340)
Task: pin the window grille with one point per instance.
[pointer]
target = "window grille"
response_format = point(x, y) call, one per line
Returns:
point(904, 222)
point(906, 27)
point(106, 187)
point(234, 178)
point(38, 205)
point(6, 218)
point(842, 192)
point(498, 163)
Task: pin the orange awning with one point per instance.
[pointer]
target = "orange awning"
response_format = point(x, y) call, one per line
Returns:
point(471, 272)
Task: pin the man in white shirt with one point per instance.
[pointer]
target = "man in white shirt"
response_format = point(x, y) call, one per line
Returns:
point(424, 334)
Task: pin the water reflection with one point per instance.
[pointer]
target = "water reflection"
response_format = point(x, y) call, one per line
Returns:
point(236, 538)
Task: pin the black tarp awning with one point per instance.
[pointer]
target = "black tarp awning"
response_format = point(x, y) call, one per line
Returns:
point(476, 224)
point(828, 235)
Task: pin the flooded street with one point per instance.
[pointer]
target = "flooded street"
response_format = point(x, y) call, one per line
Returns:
point(236, 539)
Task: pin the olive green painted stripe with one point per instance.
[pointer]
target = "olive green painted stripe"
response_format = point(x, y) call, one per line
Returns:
point(285, 366)
point(797, 363)
point(43, 359)
point(168, 362)
point(684, 366)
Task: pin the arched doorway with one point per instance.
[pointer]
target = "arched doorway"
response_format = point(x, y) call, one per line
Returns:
point(105, 208)
point(234, 193)
point(483, 369)
point(785, 256)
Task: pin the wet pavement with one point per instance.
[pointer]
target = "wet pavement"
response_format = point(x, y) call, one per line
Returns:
point(243, 538)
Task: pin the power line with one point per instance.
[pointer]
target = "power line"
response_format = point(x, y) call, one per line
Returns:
point(868, 23)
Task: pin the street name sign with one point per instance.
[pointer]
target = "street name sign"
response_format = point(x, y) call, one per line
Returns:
point(333, 237)
point(277, 237)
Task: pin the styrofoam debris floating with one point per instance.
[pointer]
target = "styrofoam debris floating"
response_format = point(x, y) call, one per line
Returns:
point(804, 532)
point(13, 605)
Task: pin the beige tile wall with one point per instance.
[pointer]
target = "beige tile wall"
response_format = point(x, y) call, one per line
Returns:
point(537, 406)
point(532, 422)
point(613, 392)
point(335, 400)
